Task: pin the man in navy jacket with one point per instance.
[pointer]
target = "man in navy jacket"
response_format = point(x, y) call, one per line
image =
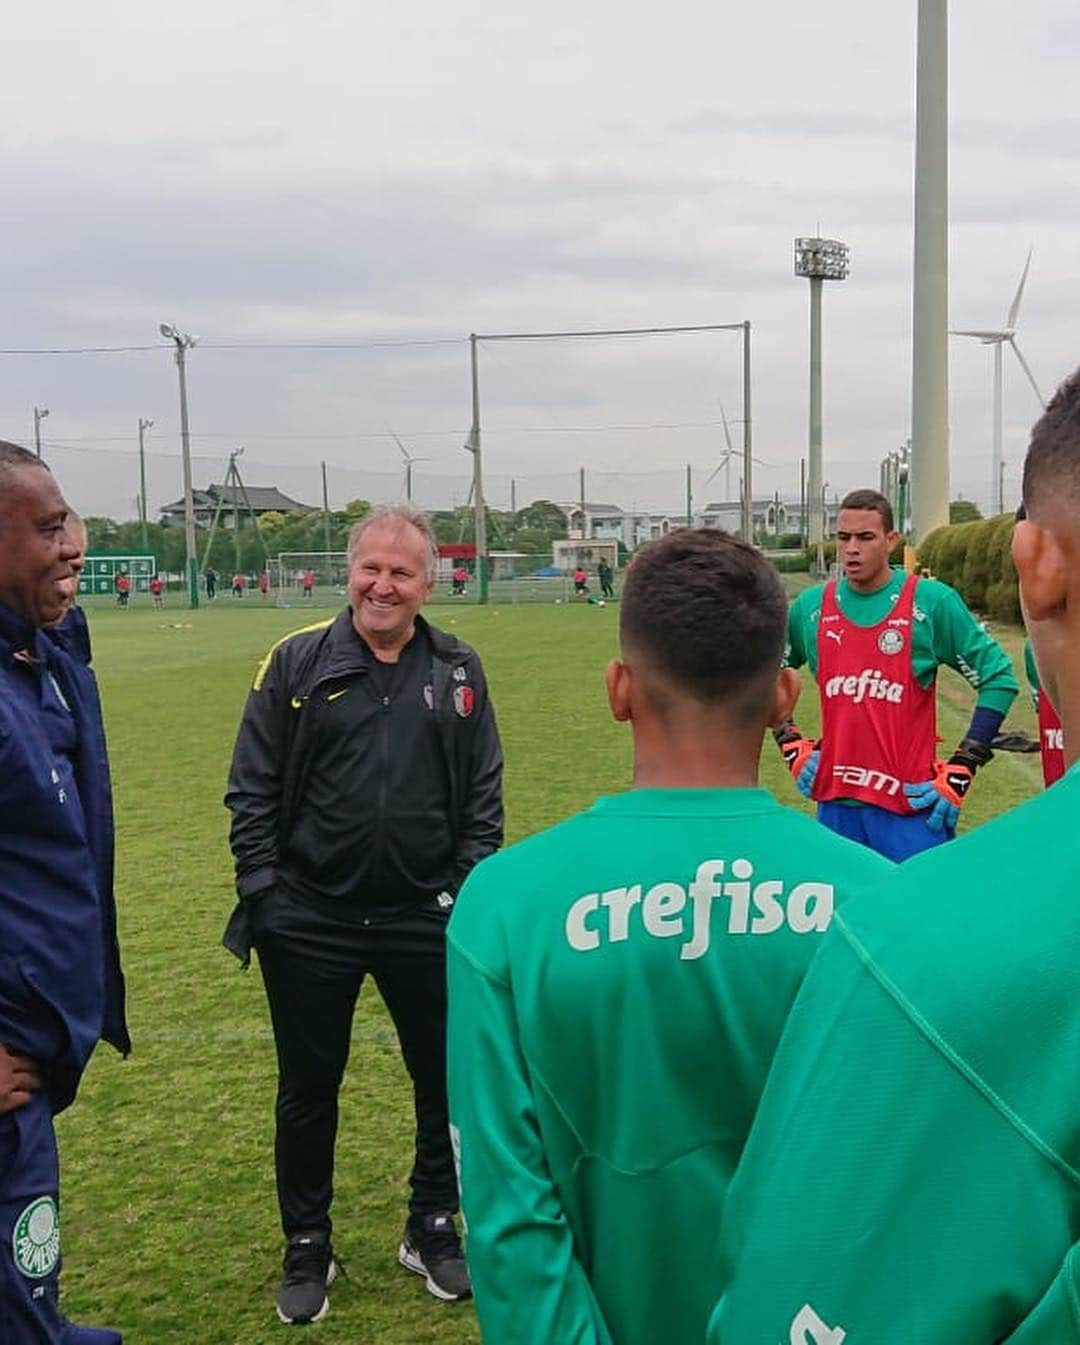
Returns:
point(61, 987)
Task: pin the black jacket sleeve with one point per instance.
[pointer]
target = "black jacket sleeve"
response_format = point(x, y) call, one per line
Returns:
point(254, 796)
point(480, 830)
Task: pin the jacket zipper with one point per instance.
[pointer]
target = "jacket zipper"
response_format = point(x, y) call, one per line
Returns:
point(384, 771)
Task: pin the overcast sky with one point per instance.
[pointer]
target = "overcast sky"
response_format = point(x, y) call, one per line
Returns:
point(385, 173)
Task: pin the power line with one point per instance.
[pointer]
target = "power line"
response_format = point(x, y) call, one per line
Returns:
point(240, 345)
point(612, 332)
point(80, 350)
point(379, 343)
point(248, 437)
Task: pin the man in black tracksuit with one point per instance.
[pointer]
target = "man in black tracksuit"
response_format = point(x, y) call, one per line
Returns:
point(365, 784)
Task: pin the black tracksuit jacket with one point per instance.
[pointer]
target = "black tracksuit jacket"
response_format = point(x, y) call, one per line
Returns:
point(279, 729)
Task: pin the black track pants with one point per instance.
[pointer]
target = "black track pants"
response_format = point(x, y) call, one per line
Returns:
point(313, 964)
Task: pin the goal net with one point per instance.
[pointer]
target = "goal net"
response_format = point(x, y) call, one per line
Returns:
point(309, 578)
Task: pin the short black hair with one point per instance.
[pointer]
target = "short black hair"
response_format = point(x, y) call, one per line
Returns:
point(870, 499)
point(708, 614)
point(12, 457)
point(1052, 464)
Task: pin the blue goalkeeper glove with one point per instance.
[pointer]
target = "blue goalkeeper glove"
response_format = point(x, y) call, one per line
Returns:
point(804, 781)
point(942, 796)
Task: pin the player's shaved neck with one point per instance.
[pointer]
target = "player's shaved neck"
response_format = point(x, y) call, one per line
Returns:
point(681, 742)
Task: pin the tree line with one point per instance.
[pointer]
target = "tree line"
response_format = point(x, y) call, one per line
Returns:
point(530, 530)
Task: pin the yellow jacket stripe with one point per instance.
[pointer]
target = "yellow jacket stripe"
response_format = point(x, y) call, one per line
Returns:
point(262, 669)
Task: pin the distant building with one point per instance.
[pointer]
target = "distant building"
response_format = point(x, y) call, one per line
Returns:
point(603, 522)
point(610, 522)
point(235, 505)
point(771, 518)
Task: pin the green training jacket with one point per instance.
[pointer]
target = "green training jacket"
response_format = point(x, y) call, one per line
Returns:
point(913, 1176)
point(618, 985)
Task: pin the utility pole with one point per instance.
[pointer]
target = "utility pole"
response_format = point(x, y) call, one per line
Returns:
point(513, 496)
point(581, 502)
point(39, 415)
point(473, 446)
point(326, 511)
point(144, 425)
point(183, 344)
point(930, 304)
point(747, 490)
point(802, 502)
point(689, 498)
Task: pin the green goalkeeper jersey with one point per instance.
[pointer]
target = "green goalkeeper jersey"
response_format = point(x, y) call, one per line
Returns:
point(913, 1176)
point(618, 985)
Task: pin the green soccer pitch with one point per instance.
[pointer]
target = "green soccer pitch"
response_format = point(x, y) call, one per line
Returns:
point(169, 1216)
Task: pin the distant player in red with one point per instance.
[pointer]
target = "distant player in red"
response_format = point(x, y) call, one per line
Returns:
point(239, 583)
point(581, 582)
point(307, 579)
point(123, 590)
point(458, 579)
point(264, 583)
point(156, 588)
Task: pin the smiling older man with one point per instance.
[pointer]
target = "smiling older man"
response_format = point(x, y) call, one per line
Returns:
point(365, 784)
point(61, 988)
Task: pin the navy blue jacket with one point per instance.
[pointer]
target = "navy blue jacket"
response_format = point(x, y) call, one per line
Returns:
point(61, 987)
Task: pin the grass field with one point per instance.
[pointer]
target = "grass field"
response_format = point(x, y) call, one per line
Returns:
point(170, 1226)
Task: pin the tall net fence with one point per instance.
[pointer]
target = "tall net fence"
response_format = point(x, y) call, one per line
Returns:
point(309, 578)
point(390, 421)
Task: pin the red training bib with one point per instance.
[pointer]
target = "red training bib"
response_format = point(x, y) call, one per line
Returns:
point(878, 725)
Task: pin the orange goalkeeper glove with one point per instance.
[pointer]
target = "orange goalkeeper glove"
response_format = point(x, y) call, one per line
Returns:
point(801, 756)
point(944, 794)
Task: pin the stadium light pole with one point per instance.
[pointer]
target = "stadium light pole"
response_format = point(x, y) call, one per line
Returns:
point(183, 343)
point(930, 298)
point(39, 415)
point(818, 260)
point(144, 425)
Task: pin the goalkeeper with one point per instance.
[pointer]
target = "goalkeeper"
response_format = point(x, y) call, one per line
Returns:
point(874, 641)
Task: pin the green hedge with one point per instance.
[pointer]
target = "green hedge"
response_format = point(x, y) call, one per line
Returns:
point(976, 559)
point(791, 564)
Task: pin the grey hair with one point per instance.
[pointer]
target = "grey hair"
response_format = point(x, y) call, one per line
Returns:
point(76, 530)
point(400, 515)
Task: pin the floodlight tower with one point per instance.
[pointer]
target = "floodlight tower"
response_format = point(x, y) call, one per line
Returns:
point(818, 259)
point(183, 344)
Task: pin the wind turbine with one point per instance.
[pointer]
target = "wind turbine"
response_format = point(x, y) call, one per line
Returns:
point(725, 460)
point(998, 339)
point(409, 460)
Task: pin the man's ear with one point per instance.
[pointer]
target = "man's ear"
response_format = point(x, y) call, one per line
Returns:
point(1043, 568)
point(618, 678)
point(785, 697)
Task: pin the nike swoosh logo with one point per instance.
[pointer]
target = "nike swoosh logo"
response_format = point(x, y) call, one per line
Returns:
point(335, 694)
